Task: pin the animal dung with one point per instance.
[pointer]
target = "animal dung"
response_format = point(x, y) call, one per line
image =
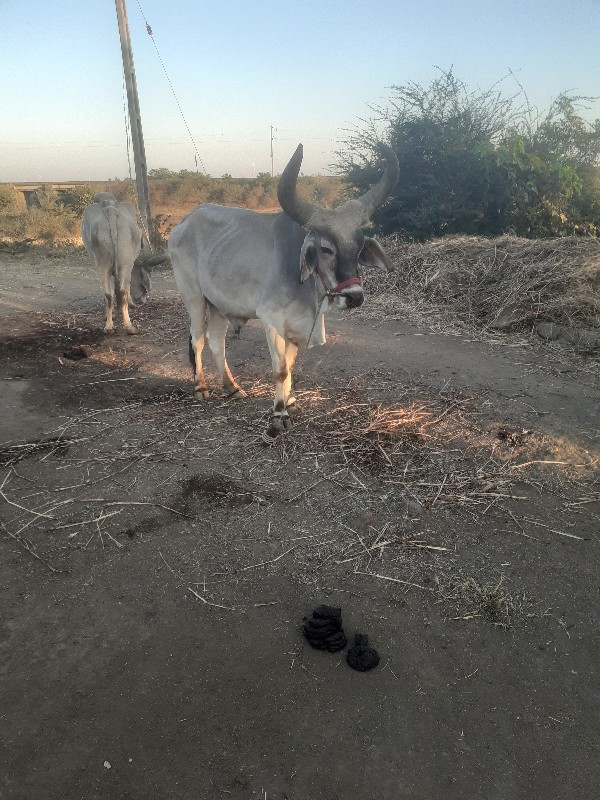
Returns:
point(75, 353)
point(324, 631)
point(362, 657)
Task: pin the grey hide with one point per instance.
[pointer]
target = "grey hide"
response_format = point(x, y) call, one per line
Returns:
point(285, 269)
point(112, 237)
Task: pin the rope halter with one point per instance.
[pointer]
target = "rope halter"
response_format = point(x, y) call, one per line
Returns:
point(337, 290)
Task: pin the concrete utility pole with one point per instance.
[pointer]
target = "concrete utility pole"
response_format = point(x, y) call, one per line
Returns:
point(135, 121)
point(272, 130)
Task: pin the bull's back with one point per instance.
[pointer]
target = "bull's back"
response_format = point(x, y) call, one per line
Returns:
point(110, 234)
point(97, 232)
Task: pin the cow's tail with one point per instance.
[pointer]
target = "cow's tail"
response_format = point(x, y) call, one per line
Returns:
point(192, 354)
point(111, 215)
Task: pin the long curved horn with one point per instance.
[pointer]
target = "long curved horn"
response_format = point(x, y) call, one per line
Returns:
point(294, 206)
point(379, 193)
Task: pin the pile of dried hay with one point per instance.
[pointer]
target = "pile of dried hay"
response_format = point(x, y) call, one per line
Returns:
point(503, 283)
point(371, 435)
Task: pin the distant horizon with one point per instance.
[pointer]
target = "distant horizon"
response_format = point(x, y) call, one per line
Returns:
point(109, 180)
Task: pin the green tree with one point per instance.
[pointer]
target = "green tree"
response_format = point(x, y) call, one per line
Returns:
point(78, 198)
point(161, 173)
point(473, 162)
point(46, 198)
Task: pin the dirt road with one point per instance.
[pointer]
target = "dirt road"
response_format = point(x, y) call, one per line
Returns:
point(157, 562)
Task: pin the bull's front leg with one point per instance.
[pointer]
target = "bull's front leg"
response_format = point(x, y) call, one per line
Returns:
point(283, 356)
point(291, 351)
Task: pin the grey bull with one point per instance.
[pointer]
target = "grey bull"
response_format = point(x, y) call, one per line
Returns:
point(285, 269)
point(112, 237)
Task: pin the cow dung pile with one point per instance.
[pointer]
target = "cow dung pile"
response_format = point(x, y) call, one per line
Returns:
point(324, 629)
point(75, 353)
point(362, 657)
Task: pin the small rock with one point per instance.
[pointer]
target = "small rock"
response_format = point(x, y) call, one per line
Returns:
point(511, 315)
point(581, 337)
point(548, 330)
point(414, 508)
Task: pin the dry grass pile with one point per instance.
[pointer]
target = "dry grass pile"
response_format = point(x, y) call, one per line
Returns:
point(370, 435)
point(490, 600)
point(429, 451)
point(503, 283)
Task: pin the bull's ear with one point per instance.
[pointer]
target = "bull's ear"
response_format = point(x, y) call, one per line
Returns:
point(309, 257)
point(373, 255)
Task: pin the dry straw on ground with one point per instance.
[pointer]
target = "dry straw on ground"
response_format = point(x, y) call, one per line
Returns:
point(505, 283)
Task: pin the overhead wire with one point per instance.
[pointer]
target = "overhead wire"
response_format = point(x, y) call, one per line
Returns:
point(197, 156)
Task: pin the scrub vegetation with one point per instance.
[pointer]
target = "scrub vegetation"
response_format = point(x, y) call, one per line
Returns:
point(476, 162)
point(54, 219)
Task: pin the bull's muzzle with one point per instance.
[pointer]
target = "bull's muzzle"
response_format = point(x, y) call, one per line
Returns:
point(355, 299)
point(351, 298)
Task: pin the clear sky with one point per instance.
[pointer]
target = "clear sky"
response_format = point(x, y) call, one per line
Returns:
point(308, 67)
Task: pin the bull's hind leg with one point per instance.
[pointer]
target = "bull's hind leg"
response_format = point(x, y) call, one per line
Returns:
point(217, 328)
point(197, 311)
point(108, 286)
point(122, 292)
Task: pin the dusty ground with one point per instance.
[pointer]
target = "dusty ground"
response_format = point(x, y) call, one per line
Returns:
point(157, 562)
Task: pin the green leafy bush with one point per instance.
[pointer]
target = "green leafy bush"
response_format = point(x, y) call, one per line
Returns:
point(78, 198)
point(474, 162)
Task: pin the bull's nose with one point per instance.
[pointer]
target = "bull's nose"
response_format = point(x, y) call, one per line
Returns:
point(354, 300)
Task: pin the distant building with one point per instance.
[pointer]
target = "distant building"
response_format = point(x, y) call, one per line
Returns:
point(28, 190)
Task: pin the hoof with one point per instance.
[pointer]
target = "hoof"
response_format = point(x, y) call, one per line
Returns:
point(268, 438)
point(293, 408)
point(201, 394)
point(131, 330)
point(237, 394)
point(108, 331)
point(277, 426)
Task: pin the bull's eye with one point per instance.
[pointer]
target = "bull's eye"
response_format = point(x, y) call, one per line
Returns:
point(327, 250)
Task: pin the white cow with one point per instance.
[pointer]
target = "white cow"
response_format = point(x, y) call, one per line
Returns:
point(112, 237)
point(278, 268)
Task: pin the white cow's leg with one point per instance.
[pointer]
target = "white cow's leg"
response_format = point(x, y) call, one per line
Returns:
point(291, 351)
point(217, 328)
point(108, 283)
point(283, 355)
point(122, 292)
point(197, 311)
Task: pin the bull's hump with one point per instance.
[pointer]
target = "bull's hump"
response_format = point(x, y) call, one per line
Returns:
point(225, 215)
